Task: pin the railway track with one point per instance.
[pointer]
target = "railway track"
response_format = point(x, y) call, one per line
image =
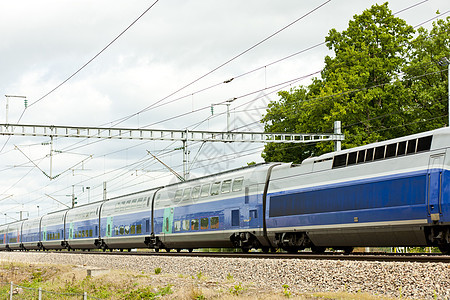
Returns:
point(388, 257)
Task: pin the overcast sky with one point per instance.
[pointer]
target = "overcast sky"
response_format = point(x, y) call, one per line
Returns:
point(176, 42)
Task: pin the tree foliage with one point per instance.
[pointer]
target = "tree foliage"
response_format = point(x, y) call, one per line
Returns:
point(381, 83)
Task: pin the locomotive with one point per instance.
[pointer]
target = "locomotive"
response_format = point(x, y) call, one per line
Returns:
point(386, 194)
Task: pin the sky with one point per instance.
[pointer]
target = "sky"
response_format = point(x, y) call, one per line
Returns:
point(163, 72)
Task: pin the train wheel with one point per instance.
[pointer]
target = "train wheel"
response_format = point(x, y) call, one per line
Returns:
point(291, 250)
point(168, 250)
point(318, 250)
point(178, 250)
point(348, 250)
point(156, 249)
point(445, 249)
point(265, 249)
point(245, 250)
point(190, 250)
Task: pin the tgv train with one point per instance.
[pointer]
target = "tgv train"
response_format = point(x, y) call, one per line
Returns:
point(391, 193)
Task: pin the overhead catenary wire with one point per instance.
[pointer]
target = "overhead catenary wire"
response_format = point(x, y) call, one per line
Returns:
point(302, 51)
point(362, 88)
point(225, 63)
point(83, 66)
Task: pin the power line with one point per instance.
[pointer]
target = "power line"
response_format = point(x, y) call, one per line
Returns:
point(402, 10)
point(221, 65)
point(95, 56)
point(83, 66)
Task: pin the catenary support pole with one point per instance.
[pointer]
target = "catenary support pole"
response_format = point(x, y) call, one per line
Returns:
point(337, 130)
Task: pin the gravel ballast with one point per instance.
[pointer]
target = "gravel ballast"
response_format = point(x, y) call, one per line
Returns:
point(392, 279)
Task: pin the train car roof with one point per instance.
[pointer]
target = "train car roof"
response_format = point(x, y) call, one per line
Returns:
point(435, 132)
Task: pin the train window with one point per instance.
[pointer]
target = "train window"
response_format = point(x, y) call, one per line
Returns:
point(147, 226)
point(215, 188)
point(195, 192)
point(116, 230)
point(379, 152)
point(235, 217)
point(121, 230)
point(226, 186)
point(90, 233)
point(391, 150)
point(205, 190)
point(215, 223)
point(178, 194)
point(351, 160)
point(139, 228)
point(133, 229)
point(177, 225)
point(424, 143)
point(253, 214)
point(127, 229)
point(411, 147)
point(369, 154)
point(186, 193)
point(194, 224)
point(204, 223)
point(186, 225)
point(340, 160)
point(237, 184)
point(133, 203)
point(401, 148)
point(361, 156)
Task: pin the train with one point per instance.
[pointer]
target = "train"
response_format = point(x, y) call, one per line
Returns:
point(394, 193)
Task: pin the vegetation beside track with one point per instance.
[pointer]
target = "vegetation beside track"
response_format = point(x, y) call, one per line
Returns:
point(62, 280)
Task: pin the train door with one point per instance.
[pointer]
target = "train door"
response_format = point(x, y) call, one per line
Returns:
point(71, 233)
point(250, 211)
point(167, 221)
point(109, 226)
point(44, 234)
point(434, 191)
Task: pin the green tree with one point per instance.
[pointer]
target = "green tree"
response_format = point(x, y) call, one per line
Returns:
point(426, 77)
point(361, 85)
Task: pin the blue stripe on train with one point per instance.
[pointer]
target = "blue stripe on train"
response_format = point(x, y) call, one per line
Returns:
point(382, 199)
point(357, 196)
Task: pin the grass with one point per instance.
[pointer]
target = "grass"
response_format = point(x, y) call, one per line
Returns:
point(120, 284)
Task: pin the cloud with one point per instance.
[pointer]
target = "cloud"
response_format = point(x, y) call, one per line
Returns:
point(176, 42)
